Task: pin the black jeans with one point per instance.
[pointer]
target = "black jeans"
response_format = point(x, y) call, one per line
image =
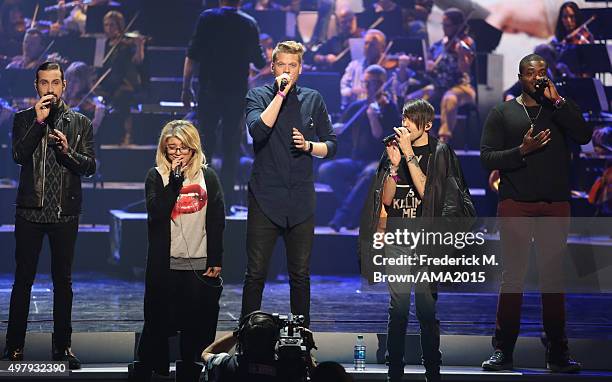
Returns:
point(261, 238)
point(228, 109)
point(425, 297)
point(195, 312)
point(28, 243)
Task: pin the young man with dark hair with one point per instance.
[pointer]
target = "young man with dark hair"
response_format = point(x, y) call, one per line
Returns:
point(414, 179)
point(54, 146)
point(526, 140)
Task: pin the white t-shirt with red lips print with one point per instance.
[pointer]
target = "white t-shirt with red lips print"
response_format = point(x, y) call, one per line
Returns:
point(188, 219)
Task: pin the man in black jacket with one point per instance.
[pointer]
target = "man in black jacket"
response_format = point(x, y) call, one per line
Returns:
point(526, 140)
point(413, 181)
point(54, 146)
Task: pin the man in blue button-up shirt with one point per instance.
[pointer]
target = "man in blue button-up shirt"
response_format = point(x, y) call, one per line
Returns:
point(284, 120)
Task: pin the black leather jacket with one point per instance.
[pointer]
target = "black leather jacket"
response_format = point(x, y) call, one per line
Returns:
point(30, 142)
point(446, 196)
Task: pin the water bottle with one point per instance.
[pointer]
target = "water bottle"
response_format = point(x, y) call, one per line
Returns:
point(360, 353)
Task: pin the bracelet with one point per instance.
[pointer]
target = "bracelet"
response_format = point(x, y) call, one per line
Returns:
point(280, 94)
point(559, 102)
point(410, 158)
point(310, 147)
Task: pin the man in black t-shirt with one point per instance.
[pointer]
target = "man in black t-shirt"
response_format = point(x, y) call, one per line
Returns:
point(526, 139)
point(402, 196)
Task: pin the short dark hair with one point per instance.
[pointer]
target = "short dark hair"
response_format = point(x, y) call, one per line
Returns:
point(530, 58)
point(50, 65)
point(257, 336)
point(419, 111)
point(455, 15)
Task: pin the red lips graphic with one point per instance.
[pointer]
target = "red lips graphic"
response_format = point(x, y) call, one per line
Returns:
point(192, 198)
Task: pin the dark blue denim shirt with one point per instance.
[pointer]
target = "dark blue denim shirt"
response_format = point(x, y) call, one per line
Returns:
point(282, 179)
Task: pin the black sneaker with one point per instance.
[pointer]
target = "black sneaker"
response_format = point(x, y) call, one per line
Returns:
point(563, 364)
point(66, 355)
point(498, 361)
point(15, 354)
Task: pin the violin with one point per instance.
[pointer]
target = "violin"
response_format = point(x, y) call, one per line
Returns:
point(581, 35)
point(392, 61)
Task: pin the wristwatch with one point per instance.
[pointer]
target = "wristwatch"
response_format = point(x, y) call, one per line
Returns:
point(310, 147)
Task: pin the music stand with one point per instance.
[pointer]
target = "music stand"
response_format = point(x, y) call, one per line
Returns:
point(588, 93)
point(17, 83)
point(587, 58)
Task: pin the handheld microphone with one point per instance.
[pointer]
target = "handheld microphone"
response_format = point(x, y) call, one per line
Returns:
point(389, 138)
point(541, 84)
point(177, 172)
point(283, 84)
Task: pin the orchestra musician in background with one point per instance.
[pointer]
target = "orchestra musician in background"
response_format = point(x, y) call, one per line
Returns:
point(334, 53)
point(571, 30)
point(124, 56)
point(32, 49)
point(449, 68)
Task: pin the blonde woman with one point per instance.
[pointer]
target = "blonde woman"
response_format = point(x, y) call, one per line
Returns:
point(186, 220)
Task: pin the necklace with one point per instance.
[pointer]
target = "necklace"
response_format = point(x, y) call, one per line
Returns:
point(532, 121)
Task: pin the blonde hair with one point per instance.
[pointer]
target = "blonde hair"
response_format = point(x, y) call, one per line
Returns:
point(380, 36)
point(117, 18)
point(290, 47)
point(187, 133)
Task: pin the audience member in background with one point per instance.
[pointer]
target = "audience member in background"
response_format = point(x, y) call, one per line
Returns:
point(350, 177)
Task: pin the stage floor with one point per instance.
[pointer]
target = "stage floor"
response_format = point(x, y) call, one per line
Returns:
point(103, 304)
point(118, 372)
